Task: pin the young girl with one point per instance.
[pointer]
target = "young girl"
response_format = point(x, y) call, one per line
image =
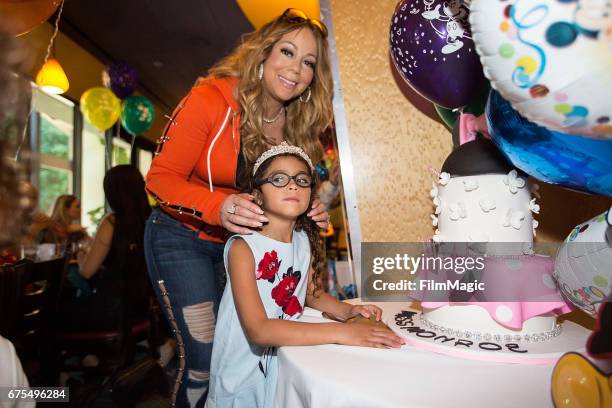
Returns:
point(271, 279)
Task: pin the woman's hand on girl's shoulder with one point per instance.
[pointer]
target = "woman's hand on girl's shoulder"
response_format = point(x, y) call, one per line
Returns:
point(238, 212)
point(319, 214)
point(366, 335)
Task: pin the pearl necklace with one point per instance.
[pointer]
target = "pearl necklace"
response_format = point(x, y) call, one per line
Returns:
point(275, 118)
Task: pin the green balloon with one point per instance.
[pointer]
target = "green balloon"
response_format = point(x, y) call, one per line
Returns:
point(448, 116)
point(137, 114)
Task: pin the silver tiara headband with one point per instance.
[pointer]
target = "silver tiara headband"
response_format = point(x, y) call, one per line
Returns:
point(283, 148)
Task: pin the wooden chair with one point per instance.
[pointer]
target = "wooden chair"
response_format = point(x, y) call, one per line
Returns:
point(29, 296)
point(12, 277)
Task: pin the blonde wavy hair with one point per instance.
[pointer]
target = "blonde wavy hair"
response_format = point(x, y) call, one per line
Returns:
point(305, 122)
point(62, 204)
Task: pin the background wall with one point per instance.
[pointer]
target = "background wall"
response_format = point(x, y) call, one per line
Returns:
point(393, 143)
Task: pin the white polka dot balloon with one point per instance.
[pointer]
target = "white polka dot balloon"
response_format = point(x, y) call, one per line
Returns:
point(552, 59)
point(583, 267)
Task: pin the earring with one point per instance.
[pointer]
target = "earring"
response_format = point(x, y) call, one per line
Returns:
point(260, 72)
point(307, 96)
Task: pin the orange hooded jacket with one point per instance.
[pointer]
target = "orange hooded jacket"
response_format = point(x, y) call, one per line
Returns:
point(194, 169)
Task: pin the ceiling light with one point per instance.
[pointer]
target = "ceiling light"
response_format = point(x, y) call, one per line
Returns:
point(51, 78)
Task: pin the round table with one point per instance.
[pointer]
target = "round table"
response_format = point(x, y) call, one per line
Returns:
point(346, 376)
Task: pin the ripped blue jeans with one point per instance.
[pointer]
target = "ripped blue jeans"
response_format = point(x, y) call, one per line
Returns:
point(188, 277)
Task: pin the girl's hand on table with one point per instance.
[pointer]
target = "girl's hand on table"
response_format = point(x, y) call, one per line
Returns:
point(366, 335)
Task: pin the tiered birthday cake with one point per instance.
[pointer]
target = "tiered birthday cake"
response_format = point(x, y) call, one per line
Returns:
point(482, 201)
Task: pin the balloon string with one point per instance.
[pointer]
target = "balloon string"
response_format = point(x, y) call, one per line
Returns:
point(55, 30)
point(132, 144)
point(24, 132)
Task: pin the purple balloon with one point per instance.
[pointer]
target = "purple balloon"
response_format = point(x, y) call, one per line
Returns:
point(432, 48)
point(121, 78)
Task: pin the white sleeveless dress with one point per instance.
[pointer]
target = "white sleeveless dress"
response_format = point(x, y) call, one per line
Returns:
point(241, 374)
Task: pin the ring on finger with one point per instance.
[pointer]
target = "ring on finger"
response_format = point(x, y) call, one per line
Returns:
point(232, 209)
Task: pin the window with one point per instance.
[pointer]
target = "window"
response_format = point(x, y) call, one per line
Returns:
point(93, 168)
point(145, 158)
point(52, 126)
point(121, 152)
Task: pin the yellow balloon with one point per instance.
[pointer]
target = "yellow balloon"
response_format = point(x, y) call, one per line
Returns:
point(100, 107)
point(577, 383)
point(259, 12)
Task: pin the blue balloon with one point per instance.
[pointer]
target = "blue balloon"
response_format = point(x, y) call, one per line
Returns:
point(572, 161)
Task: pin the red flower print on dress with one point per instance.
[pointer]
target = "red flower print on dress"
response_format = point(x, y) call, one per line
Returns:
point(283, 292)
point(268, 266)
point(293, 306)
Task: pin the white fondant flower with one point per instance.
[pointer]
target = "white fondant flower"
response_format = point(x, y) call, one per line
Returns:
point(434, 220)
point(470, 184)
point(437, 237)
point(535, 190)
point(513, 181)
point(486, 204)
point(514, 219)
point(535, 226)
point(457, 210)
point(434, 190)
point(534, 207)
point(444, 178)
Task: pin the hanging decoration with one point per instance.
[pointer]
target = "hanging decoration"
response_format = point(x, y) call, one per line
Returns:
point(551, 59)
point(22, 16)
point(579, 163)
point(431, 45)
point(583, 263)
point(137, 114)
point(100, 107)
point(51, 78)
point(121, 78)
point(260, 12)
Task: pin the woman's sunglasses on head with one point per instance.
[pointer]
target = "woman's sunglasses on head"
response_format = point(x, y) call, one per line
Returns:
point(298, 16)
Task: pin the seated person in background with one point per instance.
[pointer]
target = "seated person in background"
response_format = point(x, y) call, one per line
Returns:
point(117, 248)
point(60, 228)
point(36, 219)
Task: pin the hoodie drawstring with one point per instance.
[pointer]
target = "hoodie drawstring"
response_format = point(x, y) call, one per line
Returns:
point(210, 181)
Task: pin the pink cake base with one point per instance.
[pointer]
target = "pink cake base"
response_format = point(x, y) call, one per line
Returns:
point(406, 323)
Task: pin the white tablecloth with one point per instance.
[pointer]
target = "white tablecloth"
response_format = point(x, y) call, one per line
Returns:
point(344, 376)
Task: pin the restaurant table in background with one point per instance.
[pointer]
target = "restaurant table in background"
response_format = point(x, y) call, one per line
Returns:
point(345, 376)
